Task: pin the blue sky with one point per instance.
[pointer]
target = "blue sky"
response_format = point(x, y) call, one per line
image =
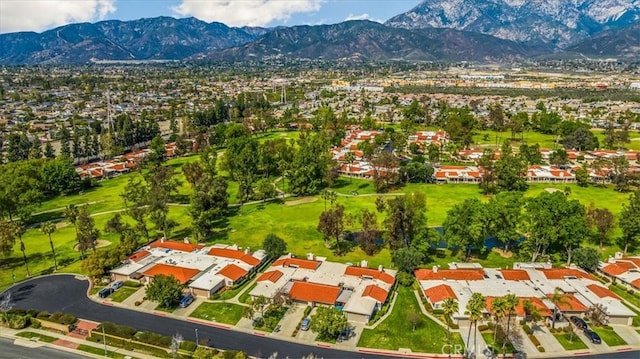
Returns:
point(19, 15)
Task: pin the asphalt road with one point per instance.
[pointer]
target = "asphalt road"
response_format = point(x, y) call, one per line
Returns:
point(12, 351)
point(67, 294)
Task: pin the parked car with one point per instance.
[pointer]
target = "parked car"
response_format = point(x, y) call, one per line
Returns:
point(117, 285)
point(105, 292)
point(578, 322)
point(593, 336)
point(186, 300)
point(305, 324)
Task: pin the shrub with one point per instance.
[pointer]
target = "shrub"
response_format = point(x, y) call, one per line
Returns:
point(33, 312)
point(307, 310)
point(35, 323)
point(534, 340)
point(132, 284)
point(121, 331)
point(438, 312)
point(188, 345)
point(483, 327)
point(404, 279)
point(43, 314)
point(18, 321)
point(153, 339)
point(137, 303)
point(541, 349)
point(526, 329)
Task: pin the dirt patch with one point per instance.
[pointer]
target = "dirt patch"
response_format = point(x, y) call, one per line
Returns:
point(502, 253)
point(551, 190)
point(101, 243)
point(301, 201)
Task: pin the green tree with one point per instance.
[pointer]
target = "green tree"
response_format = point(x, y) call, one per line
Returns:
point(449, 307)
point(310, 164)
point(208, 205)
point(48, 228)
point(406, 259)
point(158, 154)
point(406, 217)
point(601, 222)
point(559, 157)
point(329, 322)
point(274, 246)
point(7, 238)
point(19, 228)
point(511, 170)
point(49, 152)
point(87, 235)
point(71, 213)
point(60, 177)
point(331, 225)
point(582, 177)
point(557, 299)
point(504, 217)
point(465, 226)
point(165, 290)
point(586, 258)
point(488, 182)
point(629, 222)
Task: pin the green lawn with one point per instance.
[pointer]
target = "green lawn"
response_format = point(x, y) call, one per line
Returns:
point(123, 293)
point(396, 331)
point(567, 344)
point(631, 298)
point(226, 313)
point(496, 139)
point(99, 351)
point(245, 297)
point(488, 338)
point(609, 336)
point(41, 337)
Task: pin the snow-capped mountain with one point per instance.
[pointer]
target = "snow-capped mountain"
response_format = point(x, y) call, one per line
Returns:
point(555, 22)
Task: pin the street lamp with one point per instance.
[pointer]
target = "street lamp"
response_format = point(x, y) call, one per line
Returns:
point(197, 341)
point(104, 340)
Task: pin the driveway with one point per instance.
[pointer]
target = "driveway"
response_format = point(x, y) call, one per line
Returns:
point(290, 321)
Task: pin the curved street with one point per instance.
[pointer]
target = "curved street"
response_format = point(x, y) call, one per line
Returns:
point(68, 293)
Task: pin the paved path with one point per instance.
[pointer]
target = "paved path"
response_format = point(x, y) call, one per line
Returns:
point(547, 340)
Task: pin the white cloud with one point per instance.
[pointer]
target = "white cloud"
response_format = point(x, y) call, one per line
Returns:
point(364, 16)
point(39, 15)
point(245, 12)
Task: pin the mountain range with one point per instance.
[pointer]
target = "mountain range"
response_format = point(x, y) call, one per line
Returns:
point(435, 30)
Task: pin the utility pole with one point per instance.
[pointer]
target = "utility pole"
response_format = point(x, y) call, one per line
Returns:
point(104, 340)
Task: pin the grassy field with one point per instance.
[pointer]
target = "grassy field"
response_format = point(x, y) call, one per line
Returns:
point(567, 344)
point(295, 221)
point(396, 331)
point(609, 336)
point(226, 313)
point(496, 139)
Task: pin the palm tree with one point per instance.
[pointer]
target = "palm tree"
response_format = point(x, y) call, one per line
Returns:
point(531, 313)
point(71, 212)
point(557, 299)
point(19, 231)
point(498, 311)
point(474, 307)
point(48, 228)
point(449, 306)
point(511, 303)
point(349, 157)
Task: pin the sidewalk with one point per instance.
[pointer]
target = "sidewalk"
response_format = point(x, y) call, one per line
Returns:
point(64, 340)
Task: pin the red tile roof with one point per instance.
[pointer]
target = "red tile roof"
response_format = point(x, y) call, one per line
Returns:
point(312, 292)
point(636, 283)
point(233, 272)
point(602, 292)
point(297, 262)
point(561, 273)
point(439, 293)
point(178, 246)
point(272, 276)
point(570, 303)
point(180, 273)
point(139, 255)
point(235, 254)
point(514, 274)
point(376, 293)
point(614, 269)
point(374, 273)
point(537, 303)
point(454, 274)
